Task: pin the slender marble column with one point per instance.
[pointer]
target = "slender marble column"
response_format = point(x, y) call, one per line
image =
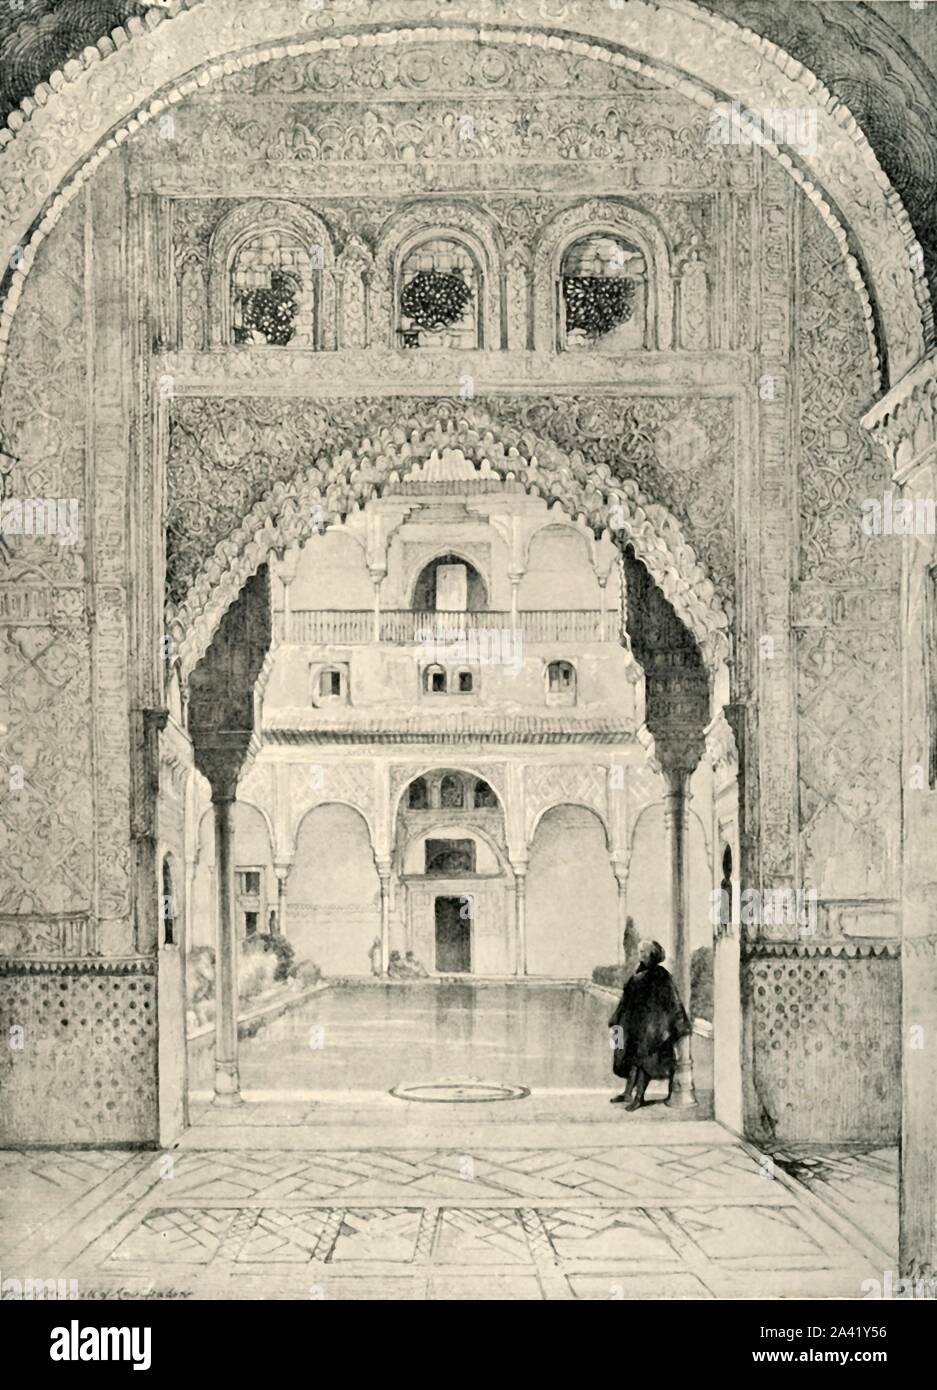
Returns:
point(383, 871)
point(621, 878)
point(377, 580)
point(675, 819)
point(282, 872)
point(520, 918)
point(227, 1085)
point(515, 581)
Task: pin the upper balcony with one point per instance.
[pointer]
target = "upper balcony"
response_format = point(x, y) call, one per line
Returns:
point(407, 627)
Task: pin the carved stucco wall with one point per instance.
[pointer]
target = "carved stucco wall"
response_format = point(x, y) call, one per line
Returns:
point(465, 104)
point(825, 1006)
point(71, 975)
point(848, 608)
point(697, 436)
point(883, 66)
point(45, 672)
point(187, 49)
point(225, 455)
point(849, 668)
point(888, 84)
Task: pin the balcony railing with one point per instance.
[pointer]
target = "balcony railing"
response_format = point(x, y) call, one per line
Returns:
point(406, 627)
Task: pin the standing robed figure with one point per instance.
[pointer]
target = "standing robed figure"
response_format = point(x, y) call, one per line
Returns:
point(648, 1023)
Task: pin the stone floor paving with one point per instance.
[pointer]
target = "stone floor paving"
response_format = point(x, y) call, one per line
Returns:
point(665, 1210)
point(859, 1181)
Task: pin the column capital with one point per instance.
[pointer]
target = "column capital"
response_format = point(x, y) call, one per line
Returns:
point(219, 758)
point(677, 780)
point(223, 788)
point(679, 753)
point(155, 719)
point(621, 868)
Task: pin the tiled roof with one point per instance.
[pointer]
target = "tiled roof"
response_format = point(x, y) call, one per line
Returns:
point(308, 726)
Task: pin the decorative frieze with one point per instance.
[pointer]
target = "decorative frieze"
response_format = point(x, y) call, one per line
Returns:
point(774, 552)
point(260, 371)
point(106, 491)
point(477, 731)
point(35, 605)
point(761, 948)
point(818, 605)
point(95, 965)
point(48, 935)
point(261, 141)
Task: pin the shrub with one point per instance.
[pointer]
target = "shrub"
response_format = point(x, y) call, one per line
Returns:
point(270, 312)
point(285, 955)
point(278, 948)
point(308, 973)
point(595, 304)
point(262, 962)
point(434, 299)
point(701, 983)
point(200, 974)
point(256, 972)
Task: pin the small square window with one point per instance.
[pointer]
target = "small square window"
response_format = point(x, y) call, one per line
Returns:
point(561, 676)
point(561, 683)
point(438, 682)
point(466, 682)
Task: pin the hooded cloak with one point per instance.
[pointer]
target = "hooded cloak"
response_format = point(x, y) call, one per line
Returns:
point(652, 1020)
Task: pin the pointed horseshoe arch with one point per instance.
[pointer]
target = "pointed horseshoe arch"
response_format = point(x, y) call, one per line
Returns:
point(292, 511)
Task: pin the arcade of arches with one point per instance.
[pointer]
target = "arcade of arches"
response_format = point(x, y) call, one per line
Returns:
point(447, 546)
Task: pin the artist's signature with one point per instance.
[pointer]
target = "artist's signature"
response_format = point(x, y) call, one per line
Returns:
point(134, 1294)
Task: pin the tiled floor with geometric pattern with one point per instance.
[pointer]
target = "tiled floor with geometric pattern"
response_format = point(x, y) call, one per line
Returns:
point(666, 1211)
point(860, 1182)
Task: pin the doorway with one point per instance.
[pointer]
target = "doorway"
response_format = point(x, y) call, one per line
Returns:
point(454, 935)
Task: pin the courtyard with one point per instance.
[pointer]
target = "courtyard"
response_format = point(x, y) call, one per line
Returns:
point(320, 1188)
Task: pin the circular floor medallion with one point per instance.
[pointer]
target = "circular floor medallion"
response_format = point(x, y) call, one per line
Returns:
point(459, 1091)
